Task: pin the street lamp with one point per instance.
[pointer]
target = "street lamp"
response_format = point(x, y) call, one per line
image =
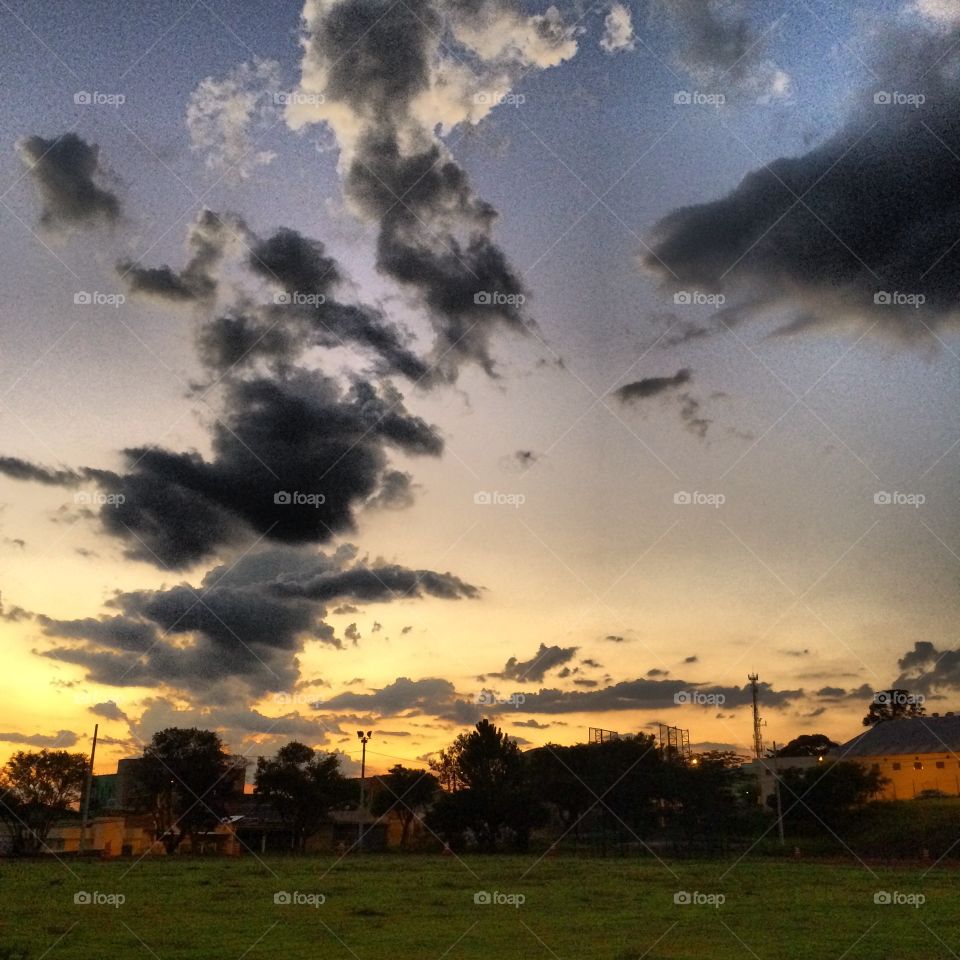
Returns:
point(364, 738)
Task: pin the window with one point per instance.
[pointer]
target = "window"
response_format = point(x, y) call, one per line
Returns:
point(896, 766)
point(917, 765)
point(940, 764)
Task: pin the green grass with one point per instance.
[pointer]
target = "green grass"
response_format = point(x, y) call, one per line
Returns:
point(396, 907)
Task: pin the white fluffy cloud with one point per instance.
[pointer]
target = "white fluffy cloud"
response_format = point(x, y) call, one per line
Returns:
point(223, 116)
point(618, 32)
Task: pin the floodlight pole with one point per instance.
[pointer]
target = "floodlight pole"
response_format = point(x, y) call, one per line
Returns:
point(364, 738)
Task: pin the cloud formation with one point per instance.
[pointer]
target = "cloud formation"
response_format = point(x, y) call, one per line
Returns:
point(244, 623)
point(64, 171)
point(223, 117)
point(859, 232)
point(384, 81)
point(618, 35)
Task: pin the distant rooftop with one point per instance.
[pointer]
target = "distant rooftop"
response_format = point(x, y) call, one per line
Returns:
point(931, 734)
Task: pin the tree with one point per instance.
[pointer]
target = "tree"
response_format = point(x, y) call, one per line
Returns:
point(407, 792)
point(36, 789)
point(183, 781)
point(893, 705)
point(302, 785)
point(807, 745)
point(492, 797)
point(822, 796)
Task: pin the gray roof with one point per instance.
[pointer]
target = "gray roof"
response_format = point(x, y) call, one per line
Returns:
point(905, 736)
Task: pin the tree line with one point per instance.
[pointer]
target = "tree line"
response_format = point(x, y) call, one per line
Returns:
point(481, 792)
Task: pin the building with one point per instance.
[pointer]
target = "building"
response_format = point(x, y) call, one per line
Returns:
point(918, 756)
point(765, 771)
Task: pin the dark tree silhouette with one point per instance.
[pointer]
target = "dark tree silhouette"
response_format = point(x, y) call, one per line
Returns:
point(823, 796)
point(35, 790)
point(807, 745)
point(183, 781)
point(303, 786)
point(407, 793)
point(892, 705)
point(492, 796)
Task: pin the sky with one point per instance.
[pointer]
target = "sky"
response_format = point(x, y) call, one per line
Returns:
point(392, 365)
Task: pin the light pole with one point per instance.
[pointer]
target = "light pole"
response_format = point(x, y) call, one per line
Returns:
point(364, 738)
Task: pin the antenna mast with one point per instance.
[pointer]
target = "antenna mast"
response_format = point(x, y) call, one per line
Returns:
point(757, 723)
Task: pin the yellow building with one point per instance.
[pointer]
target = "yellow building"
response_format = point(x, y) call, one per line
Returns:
point(917, 756)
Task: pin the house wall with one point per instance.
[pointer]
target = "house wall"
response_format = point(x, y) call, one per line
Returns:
point(937, 771)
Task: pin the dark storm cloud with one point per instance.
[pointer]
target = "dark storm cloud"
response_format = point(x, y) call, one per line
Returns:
point(392, 76)
point(108, 710)
point(380, 583)
point(64, 170)
point(207, 242)
point(535, 669)
point(301, 269)
point(651, 387)
point(246, 622)
point(18, 469)
point(835, 236)
point(438, 697)
point(468, 285)
point(62, 740)
point(929, 670)
point(395, 492)
point(645, 694)
point(281, 439)
point(430, 695)
point(303, 312)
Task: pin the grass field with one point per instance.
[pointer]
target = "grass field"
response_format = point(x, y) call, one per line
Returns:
point(395, 907)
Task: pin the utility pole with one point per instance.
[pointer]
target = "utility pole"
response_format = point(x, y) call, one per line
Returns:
point(364, 738)
point(87, 790)
point(776, 784)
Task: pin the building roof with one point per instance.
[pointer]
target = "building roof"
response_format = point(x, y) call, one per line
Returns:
point(913, 735)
